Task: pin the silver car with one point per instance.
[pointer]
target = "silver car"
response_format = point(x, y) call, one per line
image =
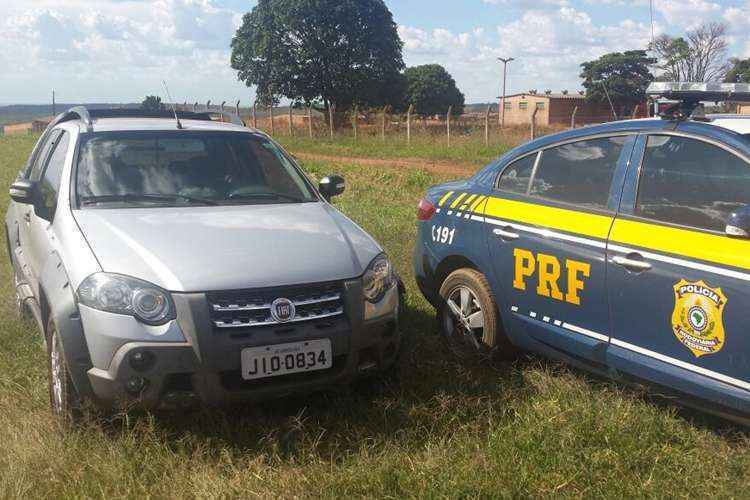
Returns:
point(172, 259)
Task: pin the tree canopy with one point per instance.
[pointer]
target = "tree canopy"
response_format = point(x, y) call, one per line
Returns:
point(431, 90)
point(700, 56)
point(341, 52)
point(152, 103)
point(626, 76)
point(739, 72)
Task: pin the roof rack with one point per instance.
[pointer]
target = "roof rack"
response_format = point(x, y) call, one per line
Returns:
point(690, 95)
point(87, 116)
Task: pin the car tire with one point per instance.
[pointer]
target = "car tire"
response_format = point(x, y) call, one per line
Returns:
point(64, 400)
point(469, 320)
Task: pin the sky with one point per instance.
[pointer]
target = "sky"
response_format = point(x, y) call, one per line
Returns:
point(121, 50)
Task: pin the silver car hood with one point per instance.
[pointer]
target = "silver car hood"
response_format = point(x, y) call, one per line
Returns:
point(193, 249)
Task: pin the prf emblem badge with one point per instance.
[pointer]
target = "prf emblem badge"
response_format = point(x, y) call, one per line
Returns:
point(697, 320)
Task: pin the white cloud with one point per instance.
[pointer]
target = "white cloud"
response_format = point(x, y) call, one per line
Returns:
point(686, 13)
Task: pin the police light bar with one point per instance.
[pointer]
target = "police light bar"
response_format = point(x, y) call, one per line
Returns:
point(696, 92)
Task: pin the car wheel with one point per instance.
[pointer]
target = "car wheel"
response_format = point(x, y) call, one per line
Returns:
point(469, 320)
point(63, 398)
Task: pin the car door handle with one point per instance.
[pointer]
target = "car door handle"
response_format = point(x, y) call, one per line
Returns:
point(506, 233)
point(632, 262)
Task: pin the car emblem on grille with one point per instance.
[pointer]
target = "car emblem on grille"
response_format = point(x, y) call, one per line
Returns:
point(282, 310)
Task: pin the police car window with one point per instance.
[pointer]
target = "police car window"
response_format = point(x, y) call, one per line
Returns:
point(580, 172)
point(691, 183)
point(516, 176)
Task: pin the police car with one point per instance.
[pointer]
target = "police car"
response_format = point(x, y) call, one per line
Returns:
point(622, 248)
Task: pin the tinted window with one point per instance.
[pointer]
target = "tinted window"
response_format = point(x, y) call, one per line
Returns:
point(50, 182)
point(579, 173)
point(166, 167)
point(517, 175)
point(41, 157)
point(691, 183)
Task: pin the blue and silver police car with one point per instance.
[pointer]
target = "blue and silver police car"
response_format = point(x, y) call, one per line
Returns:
point(621, 248)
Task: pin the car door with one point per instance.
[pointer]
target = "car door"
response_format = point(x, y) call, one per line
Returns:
point(24, 213)
point(39, 232)
point(547, 226)
point(679, 287)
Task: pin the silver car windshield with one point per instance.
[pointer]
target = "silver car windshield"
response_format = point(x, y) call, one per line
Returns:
point(184, 168)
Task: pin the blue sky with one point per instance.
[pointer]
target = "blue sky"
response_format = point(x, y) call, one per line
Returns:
point(120, 50)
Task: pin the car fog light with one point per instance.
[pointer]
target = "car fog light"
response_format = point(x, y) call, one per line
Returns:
point(134, 385)
point(142, 360)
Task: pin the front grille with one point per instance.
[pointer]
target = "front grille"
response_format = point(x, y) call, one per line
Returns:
point(252, 308)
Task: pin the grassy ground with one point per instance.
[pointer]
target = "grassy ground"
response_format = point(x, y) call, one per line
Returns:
point(527, 429)
point(466, 147)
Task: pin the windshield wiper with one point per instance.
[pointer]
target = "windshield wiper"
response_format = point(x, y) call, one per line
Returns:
point(266, 195)
point(131, 197)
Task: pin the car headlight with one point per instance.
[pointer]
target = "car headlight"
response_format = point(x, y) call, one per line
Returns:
point(378, 278)
point(120, 294)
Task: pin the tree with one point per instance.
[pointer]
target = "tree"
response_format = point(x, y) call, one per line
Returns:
point(701, 56)
point(152, 103)
point(740, 71)
point(626, 76)
point(431, 89)
point(341, 52)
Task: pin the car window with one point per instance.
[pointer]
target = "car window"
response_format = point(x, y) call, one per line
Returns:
point(186, 167)
point(579, 173)
point(516, 176)
point(49, 184)
point(41, 158)
point(691, 183)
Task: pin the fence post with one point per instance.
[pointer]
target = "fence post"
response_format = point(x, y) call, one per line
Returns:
point(573, 118)
point(635, 111)
point(208, 105)
point(270, 116)
point(237, 109)
point(382, 130)
point(448, 124)
point(291, 127)
point(533, 123)
point(195, 107)
point(255, 116)
point(487, 126)
point(330, 118)
point(408, 124)
point(309, 120)
point(355, 120)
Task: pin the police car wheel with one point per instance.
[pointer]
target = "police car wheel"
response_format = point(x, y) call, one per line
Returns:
point(468, 316)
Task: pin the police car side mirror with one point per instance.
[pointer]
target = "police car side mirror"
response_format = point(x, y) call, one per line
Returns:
point(331, 185)
point(23, 191)
point(738, 223)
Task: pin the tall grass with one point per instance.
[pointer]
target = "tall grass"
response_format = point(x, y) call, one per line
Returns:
point(525, 429)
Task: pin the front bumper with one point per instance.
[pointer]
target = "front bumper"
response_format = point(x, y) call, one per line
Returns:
point(205, 367)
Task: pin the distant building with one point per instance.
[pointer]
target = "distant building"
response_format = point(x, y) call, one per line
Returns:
point(557, 109)
point(743, 109)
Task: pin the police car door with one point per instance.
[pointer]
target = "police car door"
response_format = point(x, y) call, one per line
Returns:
point(679, 287)
point(548, 222)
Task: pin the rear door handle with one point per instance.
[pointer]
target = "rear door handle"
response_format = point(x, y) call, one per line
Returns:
point(632, 262)
point(506, 233)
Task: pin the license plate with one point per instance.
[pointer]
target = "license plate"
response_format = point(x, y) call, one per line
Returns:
point(284, 359)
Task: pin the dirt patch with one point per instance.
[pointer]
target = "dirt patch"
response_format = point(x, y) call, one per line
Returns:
point(433, 166)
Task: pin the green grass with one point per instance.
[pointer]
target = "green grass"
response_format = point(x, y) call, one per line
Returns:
point(466, 147)
point(527, 429)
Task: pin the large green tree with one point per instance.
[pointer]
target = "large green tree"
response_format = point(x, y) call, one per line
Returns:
point(625, 75)
point(431, 90)
point(340, 52)
point(739, 72)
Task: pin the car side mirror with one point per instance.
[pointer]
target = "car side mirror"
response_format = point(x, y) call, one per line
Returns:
point(331, 185)
point(23, 191)
point(738, 223)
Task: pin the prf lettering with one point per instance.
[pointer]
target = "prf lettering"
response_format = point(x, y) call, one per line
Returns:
point(548, 271)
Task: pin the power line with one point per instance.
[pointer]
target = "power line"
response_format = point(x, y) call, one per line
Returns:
point(651, 7)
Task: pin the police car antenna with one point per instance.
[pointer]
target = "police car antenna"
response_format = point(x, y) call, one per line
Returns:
point(171, 103)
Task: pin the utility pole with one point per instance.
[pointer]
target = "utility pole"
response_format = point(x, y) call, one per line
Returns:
point(501, 115)
point(53, 104)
